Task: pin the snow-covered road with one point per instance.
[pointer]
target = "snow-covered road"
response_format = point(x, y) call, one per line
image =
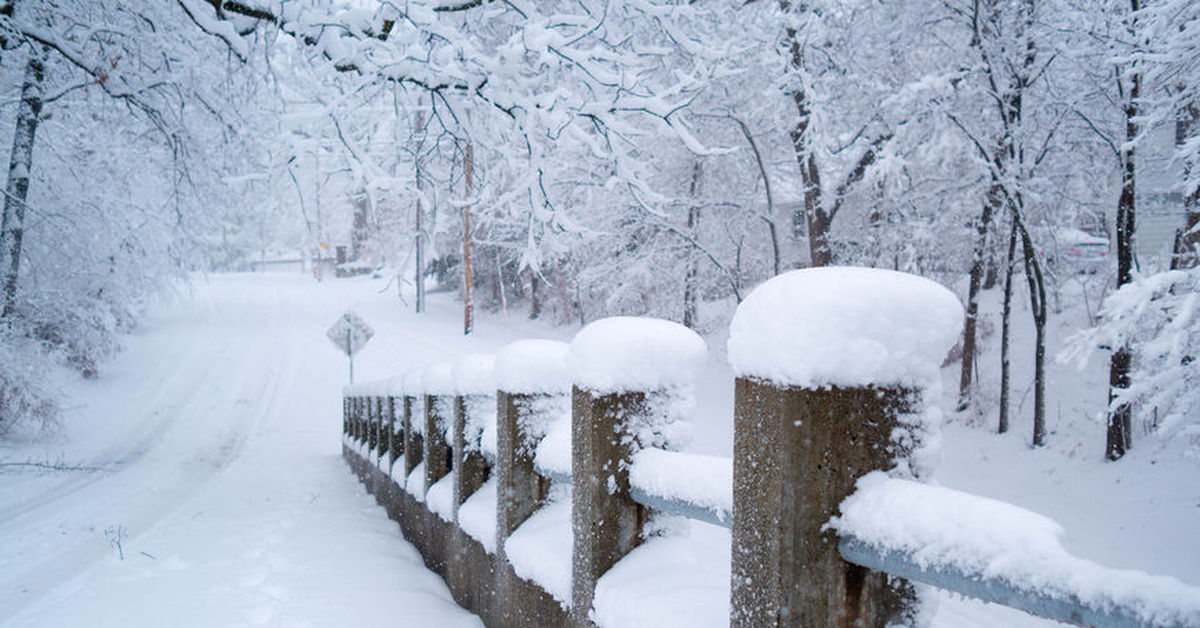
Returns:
point(205, 485)
point(199, 480)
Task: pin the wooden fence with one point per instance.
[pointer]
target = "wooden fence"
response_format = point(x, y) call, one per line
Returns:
point(798, 454)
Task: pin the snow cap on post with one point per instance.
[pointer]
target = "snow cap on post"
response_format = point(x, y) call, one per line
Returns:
point(533, 367)
point(438, 379)
point(394, 386)
point(413, 382)
point(843, 326)
point(625, 353)
point(474, 374)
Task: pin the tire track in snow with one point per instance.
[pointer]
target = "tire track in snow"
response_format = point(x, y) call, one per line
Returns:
point(61, 532)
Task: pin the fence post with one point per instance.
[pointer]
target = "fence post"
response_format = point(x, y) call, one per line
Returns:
point(528, 374)
point(358, 419)
point(414, 443)
point(345, 415)
point(376, 426)
point(626, 373)
point(468, 458)
point(830, 364)
point(395, 438)
point(439, 386)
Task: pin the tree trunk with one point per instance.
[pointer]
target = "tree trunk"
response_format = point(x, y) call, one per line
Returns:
point(468, 279)
point(359, 231)
point(1037, 303)
point(690, 318)
point(812, 214)
point(535, 301)
point(420, 236)
point(1119, 438)
point(20, 165)
point(1005, 323)
point(991, 204)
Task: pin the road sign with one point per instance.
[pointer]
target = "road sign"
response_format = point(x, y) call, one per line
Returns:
point(350, 333)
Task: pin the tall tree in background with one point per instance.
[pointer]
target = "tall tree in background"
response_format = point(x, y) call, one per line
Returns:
point(1129, 89)
point(20, 165)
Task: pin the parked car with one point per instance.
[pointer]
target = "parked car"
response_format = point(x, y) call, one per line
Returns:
point(1079, 249)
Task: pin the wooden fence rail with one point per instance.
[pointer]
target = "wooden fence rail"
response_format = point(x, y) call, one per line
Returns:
point(799, 453)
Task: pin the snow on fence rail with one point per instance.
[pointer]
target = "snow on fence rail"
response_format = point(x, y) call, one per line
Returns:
point(524, 477)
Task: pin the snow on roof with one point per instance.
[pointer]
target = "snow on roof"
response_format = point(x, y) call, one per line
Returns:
point(625, 353)
point(533, 366)
point(844, 326)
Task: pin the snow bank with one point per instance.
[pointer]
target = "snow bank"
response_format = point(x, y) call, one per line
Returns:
point(540, 550)
point(532, 367)
point(440, 498)
point(474, 374)
point(943, 528)
point(630, 353)
point(477, 515)
point(844, 327)
point(704, 481)
point(676, 580)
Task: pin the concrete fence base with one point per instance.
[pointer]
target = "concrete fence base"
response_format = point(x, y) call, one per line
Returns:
point(478, 581)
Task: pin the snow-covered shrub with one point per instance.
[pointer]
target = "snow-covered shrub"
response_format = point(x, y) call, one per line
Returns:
point(24, 400)
point(1157, 317)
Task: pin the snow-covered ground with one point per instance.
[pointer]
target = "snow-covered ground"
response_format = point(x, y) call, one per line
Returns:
point(201, 481)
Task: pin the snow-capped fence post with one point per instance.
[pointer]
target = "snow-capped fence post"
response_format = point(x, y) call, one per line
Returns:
point(358, 419)
point(830, 366)
point(469, 464)
point(370, 428)
point(378, 438)
point(438, 386)
point(395, 439)
point(529, 373)
point(470, 570)
point(476, 385)
point(438, 389)
point(414, 442)
point(345, 415)
point(625, 372)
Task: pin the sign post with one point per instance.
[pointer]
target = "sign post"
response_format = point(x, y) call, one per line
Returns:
point(350, 333)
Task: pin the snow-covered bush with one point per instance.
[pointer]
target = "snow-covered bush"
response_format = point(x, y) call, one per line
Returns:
point(1157, 317)
point(24, 400)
